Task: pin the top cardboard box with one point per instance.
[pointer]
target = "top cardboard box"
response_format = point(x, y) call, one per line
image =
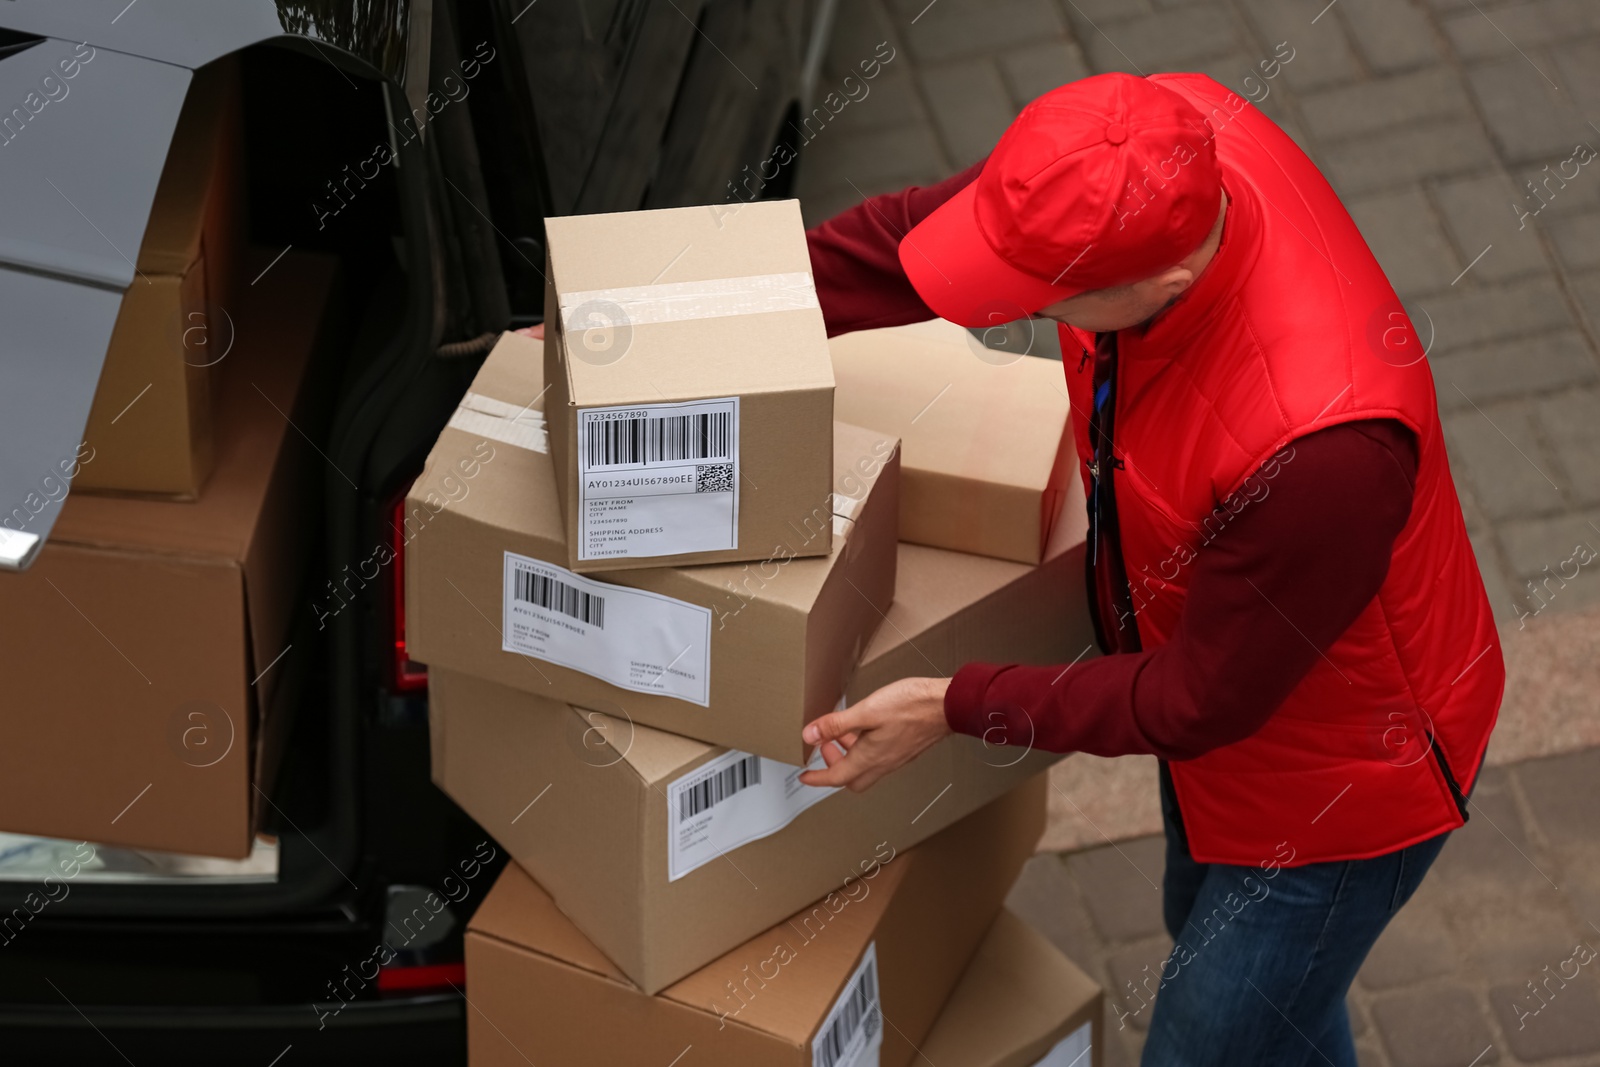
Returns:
point(986, 450)
point(691, 393)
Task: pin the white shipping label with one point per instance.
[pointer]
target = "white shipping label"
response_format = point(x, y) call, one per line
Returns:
point(658, 479)
point(735, 799)
point(1070, 1051)
point(852, 1034)
point(641, 641)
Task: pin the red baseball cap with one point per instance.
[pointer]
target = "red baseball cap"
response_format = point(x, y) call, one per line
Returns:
point(1102, 182)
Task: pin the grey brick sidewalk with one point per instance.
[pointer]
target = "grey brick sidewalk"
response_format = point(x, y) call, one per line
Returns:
point(1514, 893)
point(1452, 128)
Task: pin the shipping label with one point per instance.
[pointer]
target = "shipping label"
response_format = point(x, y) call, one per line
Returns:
point(735, 799)
point(658, 479)
point(852, 1034)
point(635, 639)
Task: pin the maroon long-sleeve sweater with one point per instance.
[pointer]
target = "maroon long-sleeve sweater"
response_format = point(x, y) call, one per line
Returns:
point(1282, 581)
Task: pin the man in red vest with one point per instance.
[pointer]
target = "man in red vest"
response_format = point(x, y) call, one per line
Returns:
point(1279, 564)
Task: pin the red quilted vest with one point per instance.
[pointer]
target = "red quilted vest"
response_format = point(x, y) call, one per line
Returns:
point(1293, 328)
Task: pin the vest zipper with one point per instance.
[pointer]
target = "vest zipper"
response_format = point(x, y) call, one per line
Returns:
point(1449, 777)
point(1102, 466)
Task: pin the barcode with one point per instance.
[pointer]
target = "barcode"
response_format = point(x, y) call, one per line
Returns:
point(719, 787)
point(659, 439)
point(860, 1012)
point(552, 594)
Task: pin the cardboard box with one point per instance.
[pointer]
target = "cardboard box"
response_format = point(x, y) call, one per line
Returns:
point(1021, 1003)
point(737, 654)
point(907, 925)
point(668, 852)
point(951, 608)
point(987, 449)
point(142, 650)
point(150, 425)
point(691, 392)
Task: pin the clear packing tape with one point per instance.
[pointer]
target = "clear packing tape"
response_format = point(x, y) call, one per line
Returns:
point(497, 420)
point(637, 305)
point(844, 513)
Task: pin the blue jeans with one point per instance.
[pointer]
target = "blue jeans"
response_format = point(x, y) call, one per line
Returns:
point(1263, 956)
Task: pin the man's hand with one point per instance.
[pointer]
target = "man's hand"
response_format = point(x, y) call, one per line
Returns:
point(882, 733)
point(535, 332)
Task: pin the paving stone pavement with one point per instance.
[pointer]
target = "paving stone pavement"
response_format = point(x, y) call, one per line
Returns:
point(1496, 959)
point(1463, 136)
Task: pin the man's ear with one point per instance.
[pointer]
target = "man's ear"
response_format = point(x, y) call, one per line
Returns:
point(1175, 280)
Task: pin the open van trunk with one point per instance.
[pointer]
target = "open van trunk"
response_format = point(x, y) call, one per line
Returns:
point(181, 961)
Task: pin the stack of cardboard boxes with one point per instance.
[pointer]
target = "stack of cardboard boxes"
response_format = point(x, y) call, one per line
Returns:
point(142, 650)
point(645, 556)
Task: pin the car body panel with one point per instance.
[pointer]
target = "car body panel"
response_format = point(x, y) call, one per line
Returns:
point(80, 158)
point(80, 175)
point(192, 33)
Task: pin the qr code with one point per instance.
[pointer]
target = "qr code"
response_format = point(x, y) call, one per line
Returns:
point(713, 478)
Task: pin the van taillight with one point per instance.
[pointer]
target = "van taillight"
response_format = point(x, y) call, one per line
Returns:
point(404, 675)
point(427, 976)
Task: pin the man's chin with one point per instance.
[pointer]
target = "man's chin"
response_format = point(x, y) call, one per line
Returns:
point(1136, 324)
point(1144, 324)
